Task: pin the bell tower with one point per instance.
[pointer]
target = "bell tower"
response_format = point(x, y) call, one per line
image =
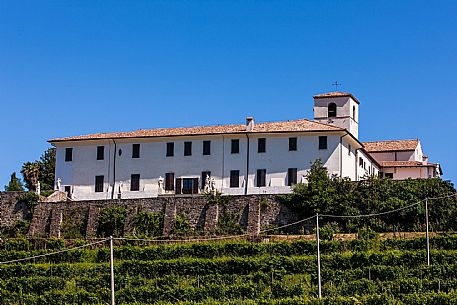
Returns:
point(340, 109)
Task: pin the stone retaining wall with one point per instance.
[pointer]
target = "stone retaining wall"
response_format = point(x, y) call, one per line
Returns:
point(254, 213)
point(11, 210)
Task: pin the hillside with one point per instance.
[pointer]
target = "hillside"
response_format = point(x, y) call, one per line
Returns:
point(391, 271)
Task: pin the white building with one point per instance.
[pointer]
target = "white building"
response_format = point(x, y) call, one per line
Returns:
point(249, 158)
point(402, 159)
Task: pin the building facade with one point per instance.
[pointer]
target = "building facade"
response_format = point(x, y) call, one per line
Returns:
point(250, 158)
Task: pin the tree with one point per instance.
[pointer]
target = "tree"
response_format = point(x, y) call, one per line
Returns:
point(40, 170)
point(47, 169)
point(30, 171)
point(15, 184)
point(373, 195)
point(316, 196)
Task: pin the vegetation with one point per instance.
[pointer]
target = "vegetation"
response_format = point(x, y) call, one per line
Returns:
point(30, 199)
point(111, 222)
point(148, 224)
point(15, 184)
point(228, 223)
point(74, 224)
point(18, 229)
point(182, 226)
point(363, 271)
point(216, 198)
point(40, 170)
point(340, 196)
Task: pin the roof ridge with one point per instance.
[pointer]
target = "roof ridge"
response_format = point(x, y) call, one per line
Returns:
point(390, 140)
point(325, 124)
point(297, 125)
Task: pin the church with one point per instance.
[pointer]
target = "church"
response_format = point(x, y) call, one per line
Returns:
point(235, 159)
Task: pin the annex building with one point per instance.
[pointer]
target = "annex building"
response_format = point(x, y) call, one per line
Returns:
point(239, 159)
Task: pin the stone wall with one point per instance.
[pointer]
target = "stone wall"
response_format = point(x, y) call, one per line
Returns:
point(11, 210)
point(80, 218)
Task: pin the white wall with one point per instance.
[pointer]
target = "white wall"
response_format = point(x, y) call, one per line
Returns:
point(368, 168)
point(400, 173)
point(349, 158)
point(345, 115)
point(81, 171)
point(153, 163)
point(409, 155)
point(277, 159)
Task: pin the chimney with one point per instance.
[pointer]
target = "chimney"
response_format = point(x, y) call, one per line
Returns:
point(249, 123)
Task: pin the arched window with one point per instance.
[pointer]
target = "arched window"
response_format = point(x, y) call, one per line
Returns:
point(331, 110)
point(353, 113)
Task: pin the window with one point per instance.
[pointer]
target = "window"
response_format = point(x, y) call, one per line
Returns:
point(99, 183)
point(169, 181)
point(331, 110)
point(261, 145)
point(261, 175)
point(100, 152)
point(203, 180)
point(235, 149)
point(206, 148)
point(170, 149)
point(136, 151)
point(292, 144)
point(349, 150)
point(353, 113)
point(68, 154)
point(190, 185)
point(235, 178)
point(135, 182)
point(178, 186)
point(291, 176)
point(187, 148)
point(323, 142)
point(360, 162)
point(389, 175)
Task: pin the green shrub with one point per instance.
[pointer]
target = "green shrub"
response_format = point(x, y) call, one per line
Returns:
point(47, 193)
point(228, 224)
point(111, 222)
point(327, 231)
point(367, 233)
point(55, 243)
point(30, 199)
point(148, 224)
point(216, 199)
point(335, 196)
point(181, 226)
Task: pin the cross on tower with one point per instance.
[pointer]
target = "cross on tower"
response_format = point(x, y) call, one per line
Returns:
point(336, 84)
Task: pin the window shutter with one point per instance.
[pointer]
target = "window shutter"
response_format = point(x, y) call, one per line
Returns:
point(235, 178)
point(195, 186)
point(178, 185)
point(169, 181)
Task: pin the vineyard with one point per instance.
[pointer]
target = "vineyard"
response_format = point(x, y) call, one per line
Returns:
point(360, 271)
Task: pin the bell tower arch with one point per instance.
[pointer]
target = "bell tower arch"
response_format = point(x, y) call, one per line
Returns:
point(339, 109)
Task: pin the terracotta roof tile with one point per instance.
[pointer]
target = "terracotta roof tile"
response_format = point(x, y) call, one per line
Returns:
point(302, 125)
point(406, 164)
point(391, 145)
point(336, 94)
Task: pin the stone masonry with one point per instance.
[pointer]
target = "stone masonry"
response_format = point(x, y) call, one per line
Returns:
point(254, 212)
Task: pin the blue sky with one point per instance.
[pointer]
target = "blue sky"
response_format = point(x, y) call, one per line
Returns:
point(77, 67)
